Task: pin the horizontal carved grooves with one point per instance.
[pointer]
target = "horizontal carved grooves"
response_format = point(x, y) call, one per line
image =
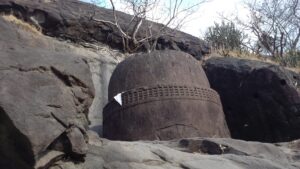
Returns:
point(162, 92)
point(143, 95)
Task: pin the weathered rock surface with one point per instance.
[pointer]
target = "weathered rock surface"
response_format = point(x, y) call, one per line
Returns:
point(15, 148)
point(260, 100)
point(102, 63)
point(194, 153)
point(46, 91)
point(165, 95)
point(71, 19)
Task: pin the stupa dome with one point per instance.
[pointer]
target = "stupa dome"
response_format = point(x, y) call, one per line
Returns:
point(162, 95)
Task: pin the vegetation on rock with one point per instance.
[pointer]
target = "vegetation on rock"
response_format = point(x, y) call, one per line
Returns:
point(273, 26)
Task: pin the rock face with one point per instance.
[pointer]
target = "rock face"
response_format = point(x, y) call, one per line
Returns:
point(164, 95)
point(261, 101)
point(101, 65)
point(46, 91)
point(48, 98)
point(71, 19)
point(15, 148)
point(196, 153)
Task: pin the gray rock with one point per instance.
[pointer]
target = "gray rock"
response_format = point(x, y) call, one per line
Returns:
point(70, 19)
point(101, 66)
point(15, 148)
point(77, 141)
point(45, 89)
point(172, 154)
point(48, 159)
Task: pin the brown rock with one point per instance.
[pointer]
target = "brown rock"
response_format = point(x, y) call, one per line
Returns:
point(165, 95)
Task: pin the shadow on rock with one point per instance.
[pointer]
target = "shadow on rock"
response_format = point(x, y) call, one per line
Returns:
point(15, 148)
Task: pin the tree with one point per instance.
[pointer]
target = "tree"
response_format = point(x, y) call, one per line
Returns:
point(225, 37)
point(276, 26)
point(174, 14)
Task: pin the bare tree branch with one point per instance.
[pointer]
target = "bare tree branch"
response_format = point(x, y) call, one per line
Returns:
point(132, 37)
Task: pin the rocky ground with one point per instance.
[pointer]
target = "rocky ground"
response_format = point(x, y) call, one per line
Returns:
point(53, 87)
point(194, 153)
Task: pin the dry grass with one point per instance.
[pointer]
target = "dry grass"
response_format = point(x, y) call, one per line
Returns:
point(241, 55)
point(249, 56)
point(294, 69)
point(21, 24)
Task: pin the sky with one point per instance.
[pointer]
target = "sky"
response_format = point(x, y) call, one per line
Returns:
point(211, 12)
point(208, 13)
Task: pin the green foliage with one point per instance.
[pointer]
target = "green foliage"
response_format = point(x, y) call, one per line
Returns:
point(225, 37)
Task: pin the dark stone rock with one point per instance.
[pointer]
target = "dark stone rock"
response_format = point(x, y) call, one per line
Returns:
point(45, 91)
point(71, 19)
point(208, 147)
point(261, 101)
point(15, 148)
point(165, 95)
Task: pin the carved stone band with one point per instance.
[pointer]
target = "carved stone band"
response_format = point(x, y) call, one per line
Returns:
point(166, 92)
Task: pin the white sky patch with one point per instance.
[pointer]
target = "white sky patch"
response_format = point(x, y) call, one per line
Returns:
point(208, 13)
point(211, 12)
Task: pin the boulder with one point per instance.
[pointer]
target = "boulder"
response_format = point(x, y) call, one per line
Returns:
point(46, 90)
point(15, 148)
point(260, 100)
point(71, 20)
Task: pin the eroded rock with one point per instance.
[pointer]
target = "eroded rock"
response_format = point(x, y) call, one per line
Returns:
point(46, 89)
point(71, 19)
point(171, 154)
point(260, 100)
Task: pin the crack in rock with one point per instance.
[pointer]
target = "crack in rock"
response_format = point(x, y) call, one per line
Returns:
point(40, 69)
point(54, 106)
